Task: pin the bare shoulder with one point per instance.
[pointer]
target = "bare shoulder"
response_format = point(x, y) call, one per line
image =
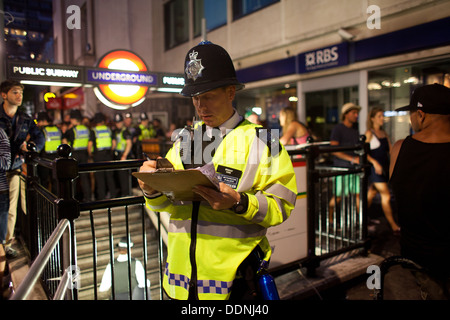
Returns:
point(394, 154)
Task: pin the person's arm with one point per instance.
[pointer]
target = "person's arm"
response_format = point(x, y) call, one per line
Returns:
point(37, 136)
point(5, 151)
point(290, 132)
point(272, 196)
point(127, 150)
point(106, 279)
point(342, 155)
point(394, 154)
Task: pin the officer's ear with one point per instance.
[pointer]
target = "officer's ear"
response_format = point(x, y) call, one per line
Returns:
point(231, 92)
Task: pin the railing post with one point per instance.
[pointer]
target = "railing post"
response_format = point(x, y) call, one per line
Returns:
point(65, 170)
point(32, 225)
point(364, 187)
point(312, 262)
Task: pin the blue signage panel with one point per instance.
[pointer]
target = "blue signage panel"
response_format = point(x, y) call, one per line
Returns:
point(121, 77)
point(323, 58)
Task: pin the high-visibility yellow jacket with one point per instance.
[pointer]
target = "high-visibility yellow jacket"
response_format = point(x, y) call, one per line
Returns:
point(52, 138)
point(81, 137)
point(206, 248)
point(103, 137)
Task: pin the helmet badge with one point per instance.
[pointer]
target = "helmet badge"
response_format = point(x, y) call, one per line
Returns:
point(194, 67)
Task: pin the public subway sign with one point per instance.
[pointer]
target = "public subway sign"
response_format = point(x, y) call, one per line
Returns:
point(120, 79)
point(22, 70)
point(323, 58)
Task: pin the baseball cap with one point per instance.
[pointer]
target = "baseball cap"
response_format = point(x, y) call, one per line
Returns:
point(208, 66)
point(432, 98)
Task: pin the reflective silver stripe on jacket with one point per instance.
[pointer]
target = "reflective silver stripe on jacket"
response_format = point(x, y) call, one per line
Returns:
point(253, 161)
point(218, 229)
point(276, 191)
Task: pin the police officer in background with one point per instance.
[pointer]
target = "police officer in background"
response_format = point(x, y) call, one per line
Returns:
point(217, 246)
point(53, 138)
point(144, 131)
point(100, 150)
point(128, 123)
point(122, 151)
point(77, 136)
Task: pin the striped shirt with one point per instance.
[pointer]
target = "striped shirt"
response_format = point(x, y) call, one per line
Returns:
point(5, 159)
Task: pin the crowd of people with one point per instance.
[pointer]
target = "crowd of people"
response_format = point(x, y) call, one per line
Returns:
point(98, 139)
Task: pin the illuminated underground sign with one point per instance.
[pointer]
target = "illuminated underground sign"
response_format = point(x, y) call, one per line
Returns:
point(120, 77)
point(124, 68)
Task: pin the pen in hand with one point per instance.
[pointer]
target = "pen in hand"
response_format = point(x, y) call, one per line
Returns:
point(147, 157)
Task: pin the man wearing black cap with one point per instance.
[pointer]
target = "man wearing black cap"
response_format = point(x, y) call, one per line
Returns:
point(420, 179)
point(100, 149)
point(218, 245)
point(77, 136)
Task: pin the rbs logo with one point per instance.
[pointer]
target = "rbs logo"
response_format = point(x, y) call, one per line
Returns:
point(321, 56)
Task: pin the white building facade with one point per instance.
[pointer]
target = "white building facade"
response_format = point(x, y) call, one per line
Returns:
point(311, 55)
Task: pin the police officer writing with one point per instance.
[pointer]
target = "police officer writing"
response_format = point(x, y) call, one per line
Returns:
point(77, 136)
point(216, 246)
point(100, 149)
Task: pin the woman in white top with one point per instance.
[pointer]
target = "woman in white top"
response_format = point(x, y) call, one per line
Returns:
point(380, 147)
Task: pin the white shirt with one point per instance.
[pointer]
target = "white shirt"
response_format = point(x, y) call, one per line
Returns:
point(139, 271)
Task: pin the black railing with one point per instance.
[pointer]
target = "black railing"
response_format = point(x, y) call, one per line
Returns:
point(330, 231)
point(336, 204)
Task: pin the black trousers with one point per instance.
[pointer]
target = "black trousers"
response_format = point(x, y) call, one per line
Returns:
point(83, 179)
point(104, 180)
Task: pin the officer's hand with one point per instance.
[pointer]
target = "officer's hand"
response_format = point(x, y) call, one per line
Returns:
point(147, 166)
point(219, 200)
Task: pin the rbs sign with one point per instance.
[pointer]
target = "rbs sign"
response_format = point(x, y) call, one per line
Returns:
point(324, 58)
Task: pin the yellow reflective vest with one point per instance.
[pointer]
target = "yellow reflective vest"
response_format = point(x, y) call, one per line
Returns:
point(103, 137)
point(52, 138)
point(81, 133)
point(206, 246)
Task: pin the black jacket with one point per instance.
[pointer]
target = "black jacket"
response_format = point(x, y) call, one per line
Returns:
point(17, 130)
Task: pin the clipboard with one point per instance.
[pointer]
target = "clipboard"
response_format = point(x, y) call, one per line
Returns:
point(176, 184)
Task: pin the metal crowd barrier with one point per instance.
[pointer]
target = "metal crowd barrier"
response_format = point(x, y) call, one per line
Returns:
point(332, 229)
point(45, 211)
point(336, 204)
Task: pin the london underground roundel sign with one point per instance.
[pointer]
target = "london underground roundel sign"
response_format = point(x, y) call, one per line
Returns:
point(128, 76)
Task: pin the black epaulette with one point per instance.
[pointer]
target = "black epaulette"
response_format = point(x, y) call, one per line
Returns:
point(272, 141)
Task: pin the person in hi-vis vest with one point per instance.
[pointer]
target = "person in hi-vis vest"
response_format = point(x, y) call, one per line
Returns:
point(216, 246)
point(53, 138)
point(77, 136)
point(100, 150)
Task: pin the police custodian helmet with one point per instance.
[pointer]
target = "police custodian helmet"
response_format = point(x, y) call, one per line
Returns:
point(208, 66)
